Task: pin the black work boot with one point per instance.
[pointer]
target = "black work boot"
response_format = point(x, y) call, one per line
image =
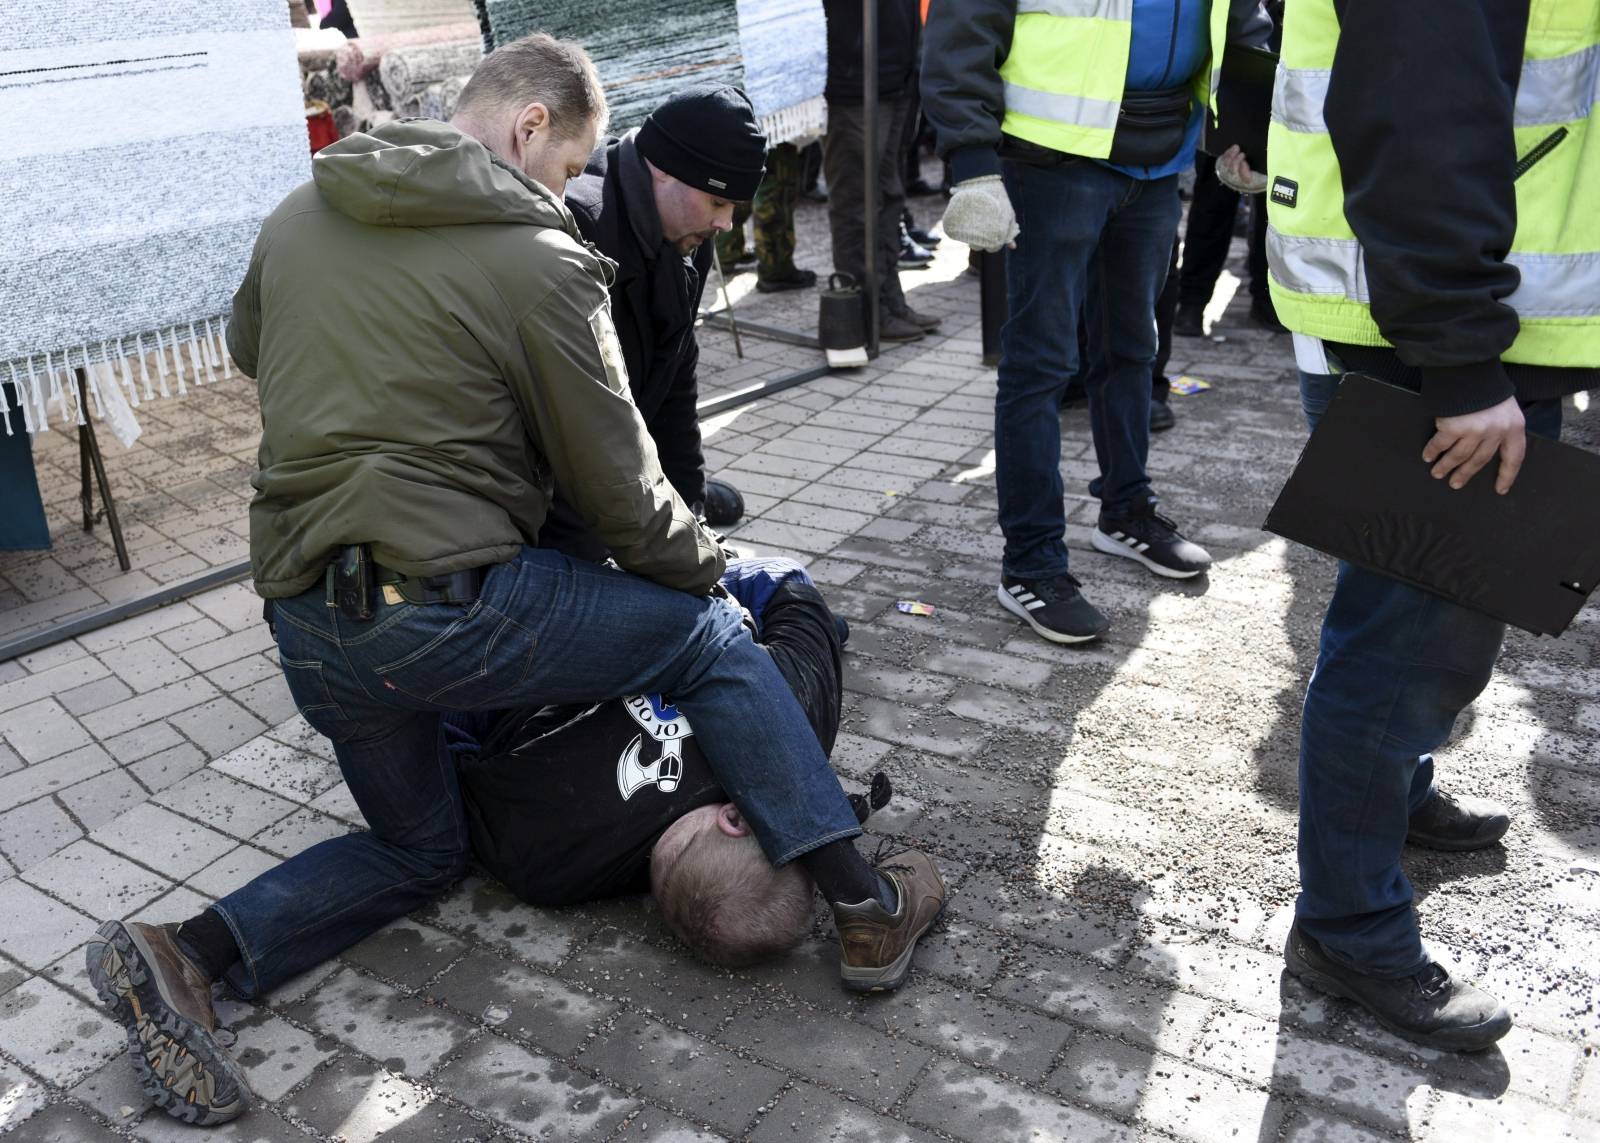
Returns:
point(164, 1001)
point(1455, 824)
point(1428, 1007)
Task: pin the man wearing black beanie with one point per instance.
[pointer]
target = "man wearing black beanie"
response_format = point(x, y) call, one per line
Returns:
point(650, 201)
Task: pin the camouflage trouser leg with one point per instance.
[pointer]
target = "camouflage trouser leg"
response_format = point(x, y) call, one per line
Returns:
point(774, 212)
point(730, 246)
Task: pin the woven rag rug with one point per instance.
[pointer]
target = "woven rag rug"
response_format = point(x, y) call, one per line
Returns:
point(775, 49)
point(149, 140)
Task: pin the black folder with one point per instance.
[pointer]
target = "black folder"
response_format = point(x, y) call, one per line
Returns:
point(1244, 104)
point(1361, 492)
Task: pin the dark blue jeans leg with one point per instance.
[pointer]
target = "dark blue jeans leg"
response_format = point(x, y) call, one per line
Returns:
point(1061, 211)
point(1395, 669)
point(546, 629)
point(1126, 275)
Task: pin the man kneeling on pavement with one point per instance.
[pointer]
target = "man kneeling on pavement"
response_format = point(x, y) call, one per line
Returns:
point(406, 470)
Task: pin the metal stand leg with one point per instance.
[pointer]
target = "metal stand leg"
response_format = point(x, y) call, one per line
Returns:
point(89, 457)
point(727, 302)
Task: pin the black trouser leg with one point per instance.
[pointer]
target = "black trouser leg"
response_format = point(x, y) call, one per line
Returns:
point(1208, 234)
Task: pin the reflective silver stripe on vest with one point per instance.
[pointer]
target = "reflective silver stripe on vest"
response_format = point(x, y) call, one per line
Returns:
point(1075, 109)
point(1559, 90)
point(1553, 285)
point(1104, 9)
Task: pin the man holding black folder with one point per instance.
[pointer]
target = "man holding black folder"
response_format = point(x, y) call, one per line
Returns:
point(1434, 196)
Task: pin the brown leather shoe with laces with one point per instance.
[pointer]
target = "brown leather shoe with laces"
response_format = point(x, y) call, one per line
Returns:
point(164, 1001)
point(876, 945)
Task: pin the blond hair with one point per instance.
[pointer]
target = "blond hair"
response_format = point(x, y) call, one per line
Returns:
point(539, 69)
point(724, 899)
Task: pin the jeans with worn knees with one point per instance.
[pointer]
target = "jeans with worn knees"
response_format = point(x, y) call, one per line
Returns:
point(545, 629)
point(1396, 666)
point(1100, 241)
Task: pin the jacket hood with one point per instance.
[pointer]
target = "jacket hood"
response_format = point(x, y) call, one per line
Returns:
point(420, 172)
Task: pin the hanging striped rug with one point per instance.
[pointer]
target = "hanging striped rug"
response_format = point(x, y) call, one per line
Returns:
point(149, 140)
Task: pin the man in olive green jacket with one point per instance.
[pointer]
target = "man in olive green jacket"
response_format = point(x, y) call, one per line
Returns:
point(433, 344)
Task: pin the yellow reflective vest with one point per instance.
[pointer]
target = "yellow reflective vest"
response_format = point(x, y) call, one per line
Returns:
point(1068, 61)
point(1317, 274)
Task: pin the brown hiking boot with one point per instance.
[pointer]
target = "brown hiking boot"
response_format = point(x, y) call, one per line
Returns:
point(164, 1001)
point(875, 945)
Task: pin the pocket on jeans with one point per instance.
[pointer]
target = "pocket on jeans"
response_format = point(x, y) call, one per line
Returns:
point(309, 689)
point(468, 665)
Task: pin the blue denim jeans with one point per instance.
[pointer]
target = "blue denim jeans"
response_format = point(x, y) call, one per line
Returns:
point(1396, 666)
point(1098, 241)
point(545, 629)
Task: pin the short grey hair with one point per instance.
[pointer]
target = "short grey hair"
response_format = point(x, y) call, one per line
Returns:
point(539, 69)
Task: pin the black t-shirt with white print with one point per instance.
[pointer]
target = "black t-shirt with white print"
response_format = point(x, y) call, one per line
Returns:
point(564, 804)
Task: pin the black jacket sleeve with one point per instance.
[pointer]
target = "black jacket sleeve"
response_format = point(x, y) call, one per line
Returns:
point(675, 425)
point(963, 46)
point(1419, 111)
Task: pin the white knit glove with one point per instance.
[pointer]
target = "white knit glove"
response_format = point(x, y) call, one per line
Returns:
point(980, 214)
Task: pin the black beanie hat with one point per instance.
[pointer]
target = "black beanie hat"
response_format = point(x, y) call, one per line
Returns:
point(707, 136)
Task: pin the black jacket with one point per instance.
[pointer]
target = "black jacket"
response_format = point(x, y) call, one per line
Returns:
point(654, 301)
point(1427, 172)
point(898, 28)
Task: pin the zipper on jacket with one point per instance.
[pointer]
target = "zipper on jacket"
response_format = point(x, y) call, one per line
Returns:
point(1172, 43)
point(1540, 149)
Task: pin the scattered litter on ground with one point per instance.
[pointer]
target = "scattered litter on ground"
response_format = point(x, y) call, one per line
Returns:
point(1189, 386)
point(914, 607)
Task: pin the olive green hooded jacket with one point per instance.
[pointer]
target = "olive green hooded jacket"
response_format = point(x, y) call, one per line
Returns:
point(432, 342)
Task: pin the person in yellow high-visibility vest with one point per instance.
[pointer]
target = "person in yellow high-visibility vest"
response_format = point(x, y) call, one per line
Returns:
point(1433, 188)
point(1066, 123)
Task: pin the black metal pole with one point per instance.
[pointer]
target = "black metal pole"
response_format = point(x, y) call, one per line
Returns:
point(869, 148)
point(89, 456)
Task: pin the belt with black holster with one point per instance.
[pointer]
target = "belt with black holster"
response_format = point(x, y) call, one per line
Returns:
point(355, 581)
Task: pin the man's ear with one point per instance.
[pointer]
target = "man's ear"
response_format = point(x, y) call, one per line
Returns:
point(530, 121)
point(730, 821)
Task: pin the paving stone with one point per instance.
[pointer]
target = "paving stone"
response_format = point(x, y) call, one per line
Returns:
point(1509, 1119)
point(138, 627)
point(530, 1093)
point(274, 1054)
point(224, 803)
point(218, 726)
point(162, 840)
point(232, 870)
point(42, 730)
point(810, 972)
point(56, 1035)
point(113, 1091)
point(829, 1049)
point(166, 767)
point(38, 929)
point(1082, 992)
point(230, 648)
point(233, 605)
point(57, 680)
point(146, 664)
point(698, 1079)
point(402, 1034)
point(668, 983)
point(97, 881)
point(981, 1108)
point(63, 1123)
point(31, 833)
point(261, 1125)
point(300, 830)
point(807, 1113)
point(522, 1002)
point(355, 1100)
point(407, 953)
point(1309, 1125)
point(193, 634)
point(142, 742)
point(21, 1096)
point(488, 914)
point(280, 768)
point(162, 702)
point(1020, 1043)
point(99, 799)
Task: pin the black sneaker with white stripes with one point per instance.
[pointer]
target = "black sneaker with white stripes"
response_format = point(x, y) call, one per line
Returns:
point(1149, 537)
point(1053, 607)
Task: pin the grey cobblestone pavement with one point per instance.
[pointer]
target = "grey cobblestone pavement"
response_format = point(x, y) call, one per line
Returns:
point(1118, 822)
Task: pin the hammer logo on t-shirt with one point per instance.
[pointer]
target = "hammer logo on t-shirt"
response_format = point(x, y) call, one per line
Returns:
point(662, 722)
